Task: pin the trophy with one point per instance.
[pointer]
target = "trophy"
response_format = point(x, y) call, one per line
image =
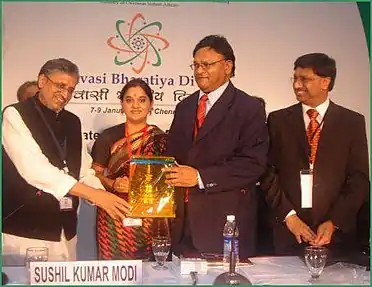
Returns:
point(149, 195)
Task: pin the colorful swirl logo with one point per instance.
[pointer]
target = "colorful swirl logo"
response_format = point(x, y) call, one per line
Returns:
point(141, 45)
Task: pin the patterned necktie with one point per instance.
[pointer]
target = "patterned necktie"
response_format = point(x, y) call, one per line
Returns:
point(313, 133)
point(200, 117)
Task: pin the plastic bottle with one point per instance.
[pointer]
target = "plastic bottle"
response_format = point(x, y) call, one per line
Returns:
point(228, 231)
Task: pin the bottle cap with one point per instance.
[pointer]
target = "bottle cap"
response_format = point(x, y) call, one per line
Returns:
point(230, 217)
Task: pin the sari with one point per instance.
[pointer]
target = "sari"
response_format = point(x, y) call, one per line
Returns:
point(116, 241)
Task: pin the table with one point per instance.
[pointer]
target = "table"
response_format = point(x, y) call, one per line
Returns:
point(265, 271)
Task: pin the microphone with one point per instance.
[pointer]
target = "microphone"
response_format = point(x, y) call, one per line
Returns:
point(231, 278)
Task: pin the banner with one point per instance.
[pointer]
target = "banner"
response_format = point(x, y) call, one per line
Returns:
point(113, 42)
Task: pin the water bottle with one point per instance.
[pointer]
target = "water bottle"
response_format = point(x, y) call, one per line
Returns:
point(228, 231)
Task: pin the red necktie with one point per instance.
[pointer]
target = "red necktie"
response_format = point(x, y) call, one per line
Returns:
point(200, 114)
point(313, 133)
point(200, 117)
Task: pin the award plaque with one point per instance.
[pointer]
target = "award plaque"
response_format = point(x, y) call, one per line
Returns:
point(149, 195)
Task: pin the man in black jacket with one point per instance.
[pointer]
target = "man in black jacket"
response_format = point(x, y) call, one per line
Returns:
point(318, 175)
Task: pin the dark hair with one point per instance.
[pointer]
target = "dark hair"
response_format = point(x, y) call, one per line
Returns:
point(60, 65)
point(321, 64)
point(22, 88)
point(220, 45)
point(136, 83)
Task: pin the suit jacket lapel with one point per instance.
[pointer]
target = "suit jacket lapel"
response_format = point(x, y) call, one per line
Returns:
point(214, 115)
point(296, 121)
point(327, 133)
point(190, 116)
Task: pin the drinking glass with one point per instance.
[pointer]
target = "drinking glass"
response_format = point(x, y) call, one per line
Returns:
point(161, 242)
point(315, 258)
point(34, 254)
point(160, 248)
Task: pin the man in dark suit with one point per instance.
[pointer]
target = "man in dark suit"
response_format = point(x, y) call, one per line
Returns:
point(220, 141)
point(327, 144)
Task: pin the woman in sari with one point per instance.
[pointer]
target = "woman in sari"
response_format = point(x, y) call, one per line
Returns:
point(111, 152)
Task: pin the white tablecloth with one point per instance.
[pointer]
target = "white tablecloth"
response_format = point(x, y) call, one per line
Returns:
point(264, 271)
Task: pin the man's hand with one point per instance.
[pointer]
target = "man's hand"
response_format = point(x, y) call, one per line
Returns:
point(324, 233)
point(181, 176)
point(115, 206)
point(121, 184)
point(300, 230)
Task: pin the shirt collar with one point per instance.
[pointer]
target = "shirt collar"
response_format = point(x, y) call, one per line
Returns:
point(216, 94)
point(321, 109)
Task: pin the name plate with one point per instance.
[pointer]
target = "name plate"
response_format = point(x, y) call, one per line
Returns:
point(115, 272)
point(193, 265)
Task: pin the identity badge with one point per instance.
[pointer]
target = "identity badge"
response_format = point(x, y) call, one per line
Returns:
point(306, 179)
point(131, 222)
point(65, 204)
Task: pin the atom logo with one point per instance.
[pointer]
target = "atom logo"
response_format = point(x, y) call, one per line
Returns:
point(140, 45)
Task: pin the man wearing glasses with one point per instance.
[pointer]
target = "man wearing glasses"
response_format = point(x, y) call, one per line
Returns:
point(318, 176)
point(46, 168)
point(220, 141)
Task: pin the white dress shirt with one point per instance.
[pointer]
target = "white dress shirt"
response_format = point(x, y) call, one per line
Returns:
point(321, 109)
point(34, 166)
point(213, 96)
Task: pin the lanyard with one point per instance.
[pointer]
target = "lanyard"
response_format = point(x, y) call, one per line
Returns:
point(61, 152)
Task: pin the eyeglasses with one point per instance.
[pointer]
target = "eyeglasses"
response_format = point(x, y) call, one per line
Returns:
point(303, 80)
point(61, 87)
point(204, 65)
